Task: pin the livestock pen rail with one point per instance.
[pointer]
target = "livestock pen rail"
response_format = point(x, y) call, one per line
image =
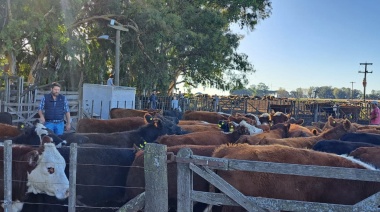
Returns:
point(24, 109)
point(156, 183)
point(203, 166)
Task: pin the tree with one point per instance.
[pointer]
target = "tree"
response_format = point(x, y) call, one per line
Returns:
point(282, 93)
point(326, 92)
point(262, 89)
point(298, 93)
point(343, 93)
point(166, 40)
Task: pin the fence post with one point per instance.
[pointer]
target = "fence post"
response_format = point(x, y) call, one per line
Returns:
point(184, 188)
point(316, 113)
point(245, 105)
point(73, 177)
point(8, 175)
point(156, 177)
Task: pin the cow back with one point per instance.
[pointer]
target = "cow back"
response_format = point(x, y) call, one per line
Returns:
point(109, 126)
point(291, 187)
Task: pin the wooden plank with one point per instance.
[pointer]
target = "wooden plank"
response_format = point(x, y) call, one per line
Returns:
point(7, 157)
point(73, 176)
point(156, 177)
point(268, 203)
point(134, 205)
point(369, 204)
point(184, 175)
point(226, 188)
point(297, 169)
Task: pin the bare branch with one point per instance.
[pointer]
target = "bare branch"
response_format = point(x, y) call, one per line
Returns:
point(52, 10)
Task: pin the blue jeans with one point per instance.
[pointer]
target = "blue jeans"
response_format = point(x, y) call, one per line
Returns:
point(57, 128)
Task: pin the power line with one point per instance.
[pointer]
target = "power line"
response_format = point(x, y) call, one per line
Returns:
point(365, 76)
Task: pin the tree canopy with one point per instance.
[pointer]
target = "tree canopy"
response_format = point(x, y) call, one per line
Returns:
point(168, 42)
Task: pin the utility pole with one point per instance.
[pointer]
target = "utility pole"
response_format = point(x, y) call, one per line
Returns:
point(117, 48)
point(352, 90)
point(365, 76)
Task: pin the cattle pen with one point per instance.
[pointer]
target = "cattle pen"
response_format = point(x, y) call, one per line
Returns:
point(22, 102)
point(155, 196)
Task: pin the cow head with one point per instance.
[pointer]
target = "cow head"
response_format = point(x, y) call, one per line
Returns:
point(47, 171)
point(252, 129)
point(265, 118)
point(279, 117)
point(40, 130)
point(223, 125)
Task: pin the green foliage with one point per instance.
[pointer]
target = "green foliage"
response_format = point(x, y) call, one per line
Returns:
point(167, 40)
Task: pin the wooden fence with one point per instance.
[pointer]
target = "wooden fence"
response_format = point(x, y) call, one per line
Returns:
point(189, 163)
point(25, 108)
point(156, 187)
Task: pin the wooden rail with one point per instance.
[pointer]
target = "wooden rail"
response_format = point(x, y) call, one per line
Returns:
point(203, 166)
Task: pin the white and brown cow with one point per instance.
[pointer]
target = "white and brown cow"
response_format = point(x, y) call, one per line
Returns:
point(36, 170)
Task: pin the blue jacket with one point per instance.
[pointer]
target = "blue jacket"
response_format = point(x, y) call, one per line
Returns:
point(54, 110)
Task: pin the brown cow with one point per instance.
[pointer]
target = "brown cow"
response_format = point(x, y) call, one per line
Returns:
point(203, 138)
point(369, 155)
point(239, 117)
point(211, 117)
point(291, 187)
point(277, 131)
point(123, 112)
point(136, 178)
point(109, 126)
point(8, 131)
point(200, 127)
point(296, 130)
point(308, 142)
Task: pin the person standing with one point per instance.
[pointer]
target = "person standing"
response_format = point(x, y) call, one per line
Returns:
point(110, 80)
point(56, 108)
point(375, 114)
point(174, 104)
point(153, 100)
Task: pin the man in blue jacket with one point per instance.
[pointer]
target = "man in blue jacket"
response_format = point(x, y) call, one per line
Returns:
point(56, 108)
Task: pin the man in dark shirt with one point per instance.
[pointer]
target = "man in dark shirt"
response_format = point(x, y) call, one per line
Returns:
point(153, 100)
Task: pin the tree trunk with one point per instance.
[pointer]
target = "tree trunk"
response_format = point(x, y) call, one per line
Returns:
point(36, 64)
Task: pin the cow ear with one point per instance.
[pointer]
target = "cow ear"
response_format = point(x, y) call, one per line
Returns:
point(46, 139)
point(148, 118)
point(331, 121)
point(32, 158)
point(300, 122)
point(346, 124)
point(314, 131)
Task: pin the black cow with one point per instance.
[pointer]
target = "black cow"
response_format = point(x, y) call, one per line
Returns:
point(127, 139)
point(362, 137)
point(101, 179)
point(339, 147)
point(6, 118)
point(32, 136)
point(173, 113)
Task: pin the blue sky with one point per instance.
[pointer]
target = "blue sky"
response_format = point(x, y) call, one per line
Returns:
point(314, 43)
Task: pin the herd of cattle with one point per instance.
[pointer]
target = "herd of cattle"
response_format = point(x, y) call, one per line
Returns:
point(110, 170)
